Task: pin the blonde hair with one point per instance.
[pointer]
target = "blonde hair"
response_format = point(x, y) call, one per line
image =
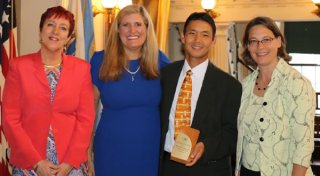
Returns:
point(115, 61)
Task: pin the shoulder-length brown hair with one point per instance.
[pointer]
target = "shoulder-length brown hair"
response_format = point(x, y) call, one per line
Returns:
point(270, 24)
point(115, 60)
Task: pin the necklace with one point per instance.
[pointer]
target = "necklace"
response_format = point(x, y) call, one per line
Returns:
point(260, 88)
point(52, 66)
point(133, 74)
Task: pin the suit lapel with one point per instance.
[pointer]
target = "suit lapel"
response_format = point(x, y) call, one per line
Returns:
point(207, 93)
point(173, 81)
point(39, 70)
point(65, 73)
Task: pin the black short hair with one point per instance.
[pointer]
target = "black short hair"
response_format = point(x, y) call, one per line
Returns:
point(203, 16)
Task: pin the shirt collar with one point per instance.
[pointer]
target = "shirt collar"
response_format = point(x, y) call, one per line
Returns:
point(198, 70)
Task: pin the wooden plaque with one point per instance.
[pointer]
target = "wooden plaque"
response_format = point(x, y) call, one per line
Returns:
point(184, 144)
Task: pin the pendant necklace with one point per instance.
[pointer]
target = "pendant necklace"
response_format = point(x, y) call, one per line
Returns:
point(260, 88)
point(133, 74)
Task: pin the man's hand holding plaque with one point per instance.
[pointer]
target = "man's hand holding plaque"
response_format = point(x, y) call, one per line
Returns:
point(184, 145)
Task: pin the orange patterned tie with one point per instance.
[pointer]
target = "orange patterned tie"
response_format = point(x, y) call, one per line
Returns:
point(183, 108)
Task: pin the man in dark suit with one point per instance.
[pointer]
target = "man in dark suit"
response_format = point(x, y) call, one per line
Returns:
point(215, 103)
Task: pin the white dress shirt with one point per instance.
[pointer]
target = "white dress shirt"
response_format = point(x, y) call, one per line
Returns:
point(197, 77)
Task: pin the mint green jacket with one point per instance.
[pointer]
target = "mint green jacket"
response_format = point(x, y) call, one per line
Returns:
point(287, 130)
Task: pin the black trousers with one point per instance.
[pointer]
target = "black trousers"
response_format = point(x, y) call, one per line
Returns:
point(246, 172)
point(172, 168)
point(201, 168)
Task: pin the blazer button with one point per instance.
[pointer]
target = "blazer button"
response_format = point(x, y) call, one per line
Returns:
point(261, 139)
point(264, 103)
point(261, 119)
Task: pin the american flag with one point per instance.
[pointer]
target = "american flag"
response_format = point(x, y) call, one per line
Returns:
point(8, 29)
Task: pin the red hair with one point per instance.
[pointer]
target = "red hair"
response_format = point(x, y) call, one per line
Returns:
point(58, 12)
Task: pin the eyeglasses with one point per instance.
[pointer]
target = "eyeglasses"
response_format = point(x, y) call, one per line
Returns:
point(255, 42)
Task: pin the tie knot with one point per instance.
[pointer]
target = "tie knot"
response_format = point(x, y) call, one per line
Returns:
point(189, 72)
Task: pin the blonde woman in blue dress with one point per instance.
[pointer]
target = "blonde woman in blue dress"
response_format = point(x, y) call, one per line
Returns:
point(276, 117)
point(126, 79)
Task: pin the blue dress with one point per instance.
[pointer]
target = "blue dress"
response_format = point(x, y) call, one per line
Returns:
point(127, 139)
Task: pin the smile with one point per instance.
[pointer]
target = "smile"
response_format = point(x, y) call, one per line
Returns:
point(196, 46)
point(132, 37)
point(53, 38)
point(262, 53)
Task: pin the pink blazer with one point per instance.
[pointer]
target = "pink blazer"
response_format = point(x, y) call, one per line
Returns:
point(28, 113)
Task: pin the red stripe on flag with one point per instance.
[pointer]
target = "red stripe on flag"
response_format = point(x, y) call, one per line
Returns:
point(5, 61)
point(4, 169)
point(12, 54)
point(0, 121)
point(12, 45)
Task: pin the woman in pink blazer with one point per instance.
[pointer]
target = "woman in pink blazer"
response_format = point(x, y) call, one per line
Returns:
point(48, 109)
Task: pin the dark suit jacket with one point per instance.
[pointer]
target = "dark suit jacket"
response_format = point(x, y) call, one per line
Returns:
point(215, 116)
